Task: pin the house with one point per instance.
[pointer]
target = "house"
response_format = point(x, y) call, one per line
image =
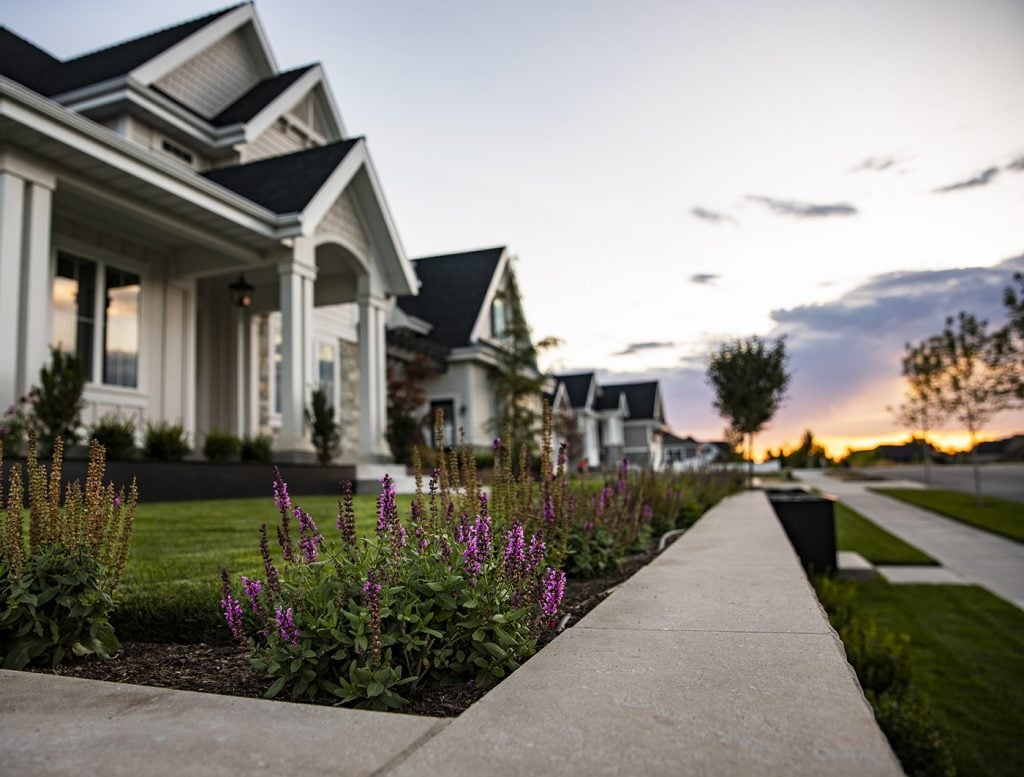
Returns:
point(686, 453)
point(461, 318)
point(598, 417)
point(200, 228)
point(644, 429)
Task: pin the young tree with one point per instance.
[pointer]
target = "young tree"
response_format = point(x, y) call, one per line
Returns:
point(59, 402)
point(1011, 340)
point(325, 435)
point(405, 398)
point(750, 380)
point(518, 383)
point(971, 382)
point(922, 409)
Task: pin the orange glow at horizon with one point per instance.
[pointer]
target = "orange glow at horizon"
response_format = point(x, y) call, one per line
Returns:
point(837, 446)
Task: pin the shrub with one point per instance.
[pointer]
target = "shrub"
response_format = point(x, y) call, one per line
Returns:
point(116, 435)
point(56, 596)
point(323, 431)
point(221, 446)
point(166, 442)
point(16, 422)
point(58, 408)
point(259, 449)
point(916, 740)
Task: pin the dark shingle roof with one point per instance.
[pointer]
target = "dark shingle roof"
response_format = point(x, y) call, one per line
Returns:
point(607, 400)
point(639, 396)
point(284, 184)
point(257, 98)
point(33, 67)
point(452, 293)
point(577, 387)
point(671, 439)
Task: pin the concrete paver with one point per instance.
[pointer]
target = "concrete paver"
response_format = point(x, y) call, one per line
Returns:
point(929, 574)
point(853, 566)
point(54, 726)
point(974, 555)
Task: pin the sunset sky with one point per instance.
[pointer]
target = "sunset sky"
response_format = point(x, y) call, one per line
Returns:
point(672, 174)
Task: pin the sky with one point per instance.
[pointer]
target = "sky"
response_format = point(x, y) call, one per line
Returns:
point(671, 175)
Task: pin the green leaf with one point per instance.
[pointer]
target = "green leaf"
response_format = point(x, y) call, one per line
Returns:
point(274, 689)
point(479, 635)
point(374, 689)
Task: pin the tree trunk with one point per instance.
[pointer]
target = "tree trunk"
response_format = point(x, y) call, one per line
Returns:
point(750, 455)
point(977, 470)
point(926, 452)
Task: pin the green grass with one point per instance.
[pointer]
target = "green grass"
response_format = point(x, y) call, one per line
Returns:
point(171, 585)
point(999, 516)
point(967, 649)
point(855, 532)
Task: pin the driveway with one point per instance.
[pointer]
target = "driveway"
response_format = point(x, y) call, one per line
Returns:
point(1002, 480)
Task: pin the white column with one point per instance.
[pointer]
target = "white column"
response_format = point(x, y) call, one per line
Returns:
point(243, 373)
point(296, 279)
point(26, 196)
point(373, 414)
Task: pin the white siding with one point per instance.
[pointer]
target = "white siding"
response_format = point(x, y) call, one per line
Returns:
point(342, 219)
point(214, 78)
point(273, 142)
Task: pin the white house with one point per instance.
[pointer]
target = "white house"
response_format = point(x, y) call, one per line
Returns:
point(599, 418)
point(461, 317)
point(645, 427)
point(140, 182)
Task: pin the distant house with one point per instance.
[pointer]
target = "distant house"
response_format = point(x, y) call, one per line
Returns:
point(200, 229)
point(460, 319)
point(1007, 449)
point(599, 418)
point(644, 428)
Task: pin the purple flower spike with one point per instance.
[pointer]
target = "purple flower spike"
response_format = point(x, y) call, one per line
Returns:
point(535, 555)
point(232, 610)
point(552, 592)
point(387, 511)
point(496, 445)
point(549, 512)
point(286, 627)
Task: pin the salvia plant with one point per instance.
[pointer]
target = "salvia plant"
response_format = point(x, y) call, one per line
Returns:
point(461, 589)
point(56, 593)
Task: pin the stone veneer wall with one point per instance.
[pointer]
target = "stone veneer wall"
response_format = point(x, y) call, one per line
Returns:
point(348, 414)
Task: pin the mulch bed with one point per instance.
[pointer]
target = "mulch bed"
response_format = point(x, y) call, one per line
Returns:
point(226, 669)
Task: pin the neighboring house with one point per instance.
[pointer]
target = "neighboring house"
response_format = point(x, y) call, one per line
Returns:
point(1007, 449)
point(140, 182)
point(686, 453)
point(599, 418)
point(645, 426)
point(462, 311)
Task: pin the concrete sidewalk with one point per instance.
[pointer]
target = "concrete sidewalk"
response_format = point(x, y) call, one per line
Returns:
point(976, 556)
point(714, 660)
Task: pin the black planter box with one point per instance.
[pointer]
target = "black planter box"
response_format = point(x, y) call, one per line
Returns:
point(176, 481)
point(809, 522)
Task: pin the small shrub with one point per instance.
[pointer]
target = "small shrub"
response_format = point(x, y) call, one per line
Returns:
point(259, 449)
point(916, 740)
point(221, 446)
point(15, 423)
point(324, 432)
point(166, 442)
point(116, 435)
point(56, 595)
point(58, 408)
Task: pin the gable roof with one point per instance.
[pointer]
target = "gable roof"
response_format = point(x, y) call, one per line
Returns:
point(284, 184)
point(671, 439)
point(453, 288)
point(29, 65)
point(577, 387)
point(642, 399)
point(259, 97)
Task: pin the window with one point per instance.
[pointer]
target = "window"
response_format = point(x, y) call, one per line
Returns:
point(76, 313)
point(325, 362)
point(499, 317)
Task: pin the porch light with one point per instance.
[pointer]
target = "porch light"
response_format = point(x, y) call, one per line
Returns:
point(241, 292)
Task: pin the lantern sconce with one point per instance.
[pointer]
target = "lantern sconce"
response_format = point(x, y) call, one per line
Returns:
point(241, 292)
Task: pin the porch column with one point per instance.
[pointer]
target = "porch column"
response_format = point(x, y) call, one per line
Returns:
point(373, 414)
point(296, 279)
point(244, 377)
point(26, 196)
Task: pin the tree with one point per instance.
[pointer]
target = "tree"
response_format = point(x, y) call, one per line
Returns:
point(922, 409)
point(518, 384)
point(405, 398)
point(750, 380)
point(808, 454)
point(971, 382)
point(324, 432)
point(1011, 340)
point(59, 402)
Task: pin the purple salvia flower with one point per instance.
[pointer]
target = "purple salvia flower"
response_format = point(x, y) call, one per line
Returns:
point(548, 511)
point(281, 498)
point(496, 445)
point(535, 555)
point(483, 503)
point(371, 589)
point(648, 513)
point(478, 547)
point(232, 609)
point(310, 538)
point(273, 581)
point(347, 516)
point(602, 501)
point(552, 592)
point(515, 546)
point(286, 627)
point(252, 589)
point(387, 511)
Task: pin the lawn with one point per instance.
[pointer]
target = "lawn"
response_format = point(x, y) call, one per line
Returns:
point(855, 532)
point(967, 648)
point(171, 584)
point(999, 516)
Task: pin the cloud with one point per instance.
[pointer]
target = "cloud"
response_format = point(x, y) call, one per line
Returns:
point(712, 216)
point(875, 163)
point(803, 209)
point(647, 346)
point(981, 179)
point(704, 278)
point(1017, 165)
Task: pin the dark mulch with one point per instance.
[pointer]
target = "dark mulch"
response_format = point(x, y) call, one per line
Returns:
point(226, 669)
